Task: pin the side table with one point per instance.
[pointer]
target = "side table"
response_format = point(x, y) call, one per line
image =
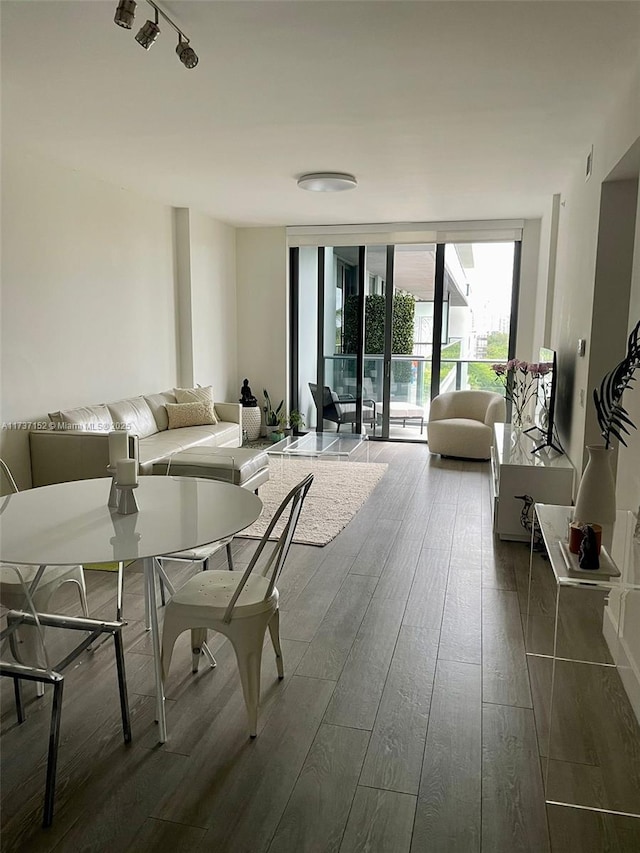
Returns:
point(577, 642)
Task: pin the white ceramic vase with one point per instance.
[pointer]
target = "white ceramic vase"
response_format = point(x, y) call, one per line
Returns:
point(596, 500)
point(251, 420)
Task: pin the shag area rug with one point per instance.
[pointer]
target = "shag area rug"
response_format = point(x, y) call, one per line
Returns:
point(338, 491)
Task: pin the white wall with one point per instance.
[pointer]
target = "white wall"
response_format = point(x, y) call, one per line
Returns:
point(262, 293)
point(207, 285)
point(88, 301)
point(628, 479)
point(529, 284)
point(576, 262)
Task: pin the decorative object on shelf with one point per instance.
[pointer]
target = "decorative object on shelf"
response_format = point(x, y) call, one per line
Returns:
point(251, 416)
point(526, 520)
point(596, 499)
point(588, 554)
point(270, 414)
point(575, 536)
point(246, 397)
point(613, 419)
point(520, 381)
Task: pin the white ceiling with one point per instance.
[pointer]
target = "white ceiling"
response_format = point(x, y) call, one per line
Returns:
point(443, 110)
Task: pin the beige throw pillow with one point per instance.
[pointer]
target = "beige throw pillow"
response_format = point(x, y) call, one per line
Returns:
point(194, 395)
point(190, 414)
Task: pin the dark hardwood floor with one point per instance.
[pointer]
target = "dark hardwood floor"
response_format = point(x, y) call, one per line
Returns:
point(408, 720)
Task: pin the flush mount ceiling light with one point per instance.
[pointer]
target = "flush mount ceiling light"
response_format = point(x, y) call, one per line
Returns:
point(327, 182)
point(149, 32)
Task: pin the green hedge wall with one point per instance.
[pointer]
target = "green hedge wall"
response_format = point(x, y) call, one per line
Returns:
point(404, 307)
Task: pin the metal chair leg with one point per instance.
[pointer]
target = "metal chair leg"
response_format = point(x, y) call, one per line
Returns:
point(229, 556)
point(120, 592)
point(122, 686)
point(52, 761)
point(17, 689)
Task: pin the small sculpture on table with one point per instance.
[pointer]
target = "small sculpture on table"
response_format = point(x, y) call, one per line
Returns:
point(588, 554)
point(246, 397)
point(526, 520)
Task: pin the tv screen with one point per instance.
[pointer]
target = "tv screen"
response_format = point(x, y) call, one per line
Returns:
point(546, 398)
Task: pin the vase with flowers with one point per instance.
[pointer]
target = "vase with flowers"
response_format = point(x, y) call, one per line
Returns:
point(520, 381)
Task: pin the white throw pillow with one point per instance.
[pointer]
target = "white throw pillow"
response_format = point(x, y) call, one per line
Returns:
point(194, 395)
point(190, 414)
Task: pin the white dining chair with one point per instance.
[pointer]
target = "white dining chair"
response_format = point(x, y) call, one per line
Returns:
point(240, 605)
point(201, 554)
point(53, 577)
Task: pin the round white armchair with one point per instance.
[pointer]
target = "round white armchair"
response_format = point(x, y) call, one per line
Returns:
point(461, 423)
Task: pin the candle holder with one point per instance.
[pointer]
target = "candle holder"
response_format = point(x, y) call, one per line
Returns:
point(113, 491)
point(127, 503)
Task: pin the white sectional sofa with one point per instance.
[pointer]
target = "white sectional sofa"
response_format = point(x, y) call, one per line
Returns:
point(75, 446)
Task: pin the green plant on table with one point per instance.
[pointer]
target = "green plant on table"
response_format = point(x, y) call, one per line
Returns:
point(270, 414)
point(296, 419)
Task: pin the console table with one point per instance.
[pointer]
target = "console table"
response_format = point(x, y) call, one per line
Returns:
point(580, 640)
point(546, 477)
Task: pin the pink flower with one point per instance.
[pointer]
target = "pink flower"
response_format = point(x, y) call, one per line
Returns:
point(499, 369)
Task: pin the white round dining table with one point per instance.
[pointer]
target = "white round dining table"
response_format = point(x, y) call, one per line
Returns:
point(71, 523)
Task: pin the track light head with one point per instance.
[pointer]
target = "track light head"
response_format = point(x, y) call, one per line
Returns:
point(187, 55)
point(125, 13)
point(148, 33)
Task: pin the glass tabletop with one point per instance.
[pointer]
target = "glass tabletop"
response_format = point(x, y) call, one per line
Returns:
point(69, 523)
point(317, 444)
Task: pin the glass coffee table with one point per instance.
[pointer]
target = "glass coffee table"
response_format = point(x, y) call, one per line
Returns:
point(325, 444)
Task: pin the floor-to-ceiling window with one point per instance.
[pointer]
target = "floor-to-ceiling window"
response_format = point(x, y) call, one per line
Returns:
point(383, 328)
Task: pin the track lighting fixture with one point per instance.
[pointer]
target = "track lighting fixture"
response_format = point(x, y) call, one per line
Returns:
point(186, 53)
point(125, 13)
point(149, 32)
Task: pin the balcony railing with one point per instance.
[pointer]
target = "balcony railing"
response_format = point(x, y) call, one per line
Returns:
point(411, 376)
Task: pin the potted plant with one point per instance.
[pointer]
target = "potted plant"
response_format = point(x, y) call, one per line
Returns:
point(296, 420)
point(271, 415)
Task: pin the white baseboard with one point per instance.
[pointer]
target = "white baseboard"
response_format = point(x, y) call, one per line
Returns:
point(627, 667)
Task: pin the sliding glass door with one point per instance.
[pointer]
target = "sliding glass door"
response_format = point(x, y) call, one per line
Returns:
point(378, 331)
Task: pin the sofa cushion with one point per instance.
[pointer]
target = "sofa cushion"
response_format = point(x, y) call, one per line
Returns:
point(135, 415)
point(163, 444)
point(194, 395)
point(158, 403)
point(462, 437)
point(190, 414)
point(85, 419)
